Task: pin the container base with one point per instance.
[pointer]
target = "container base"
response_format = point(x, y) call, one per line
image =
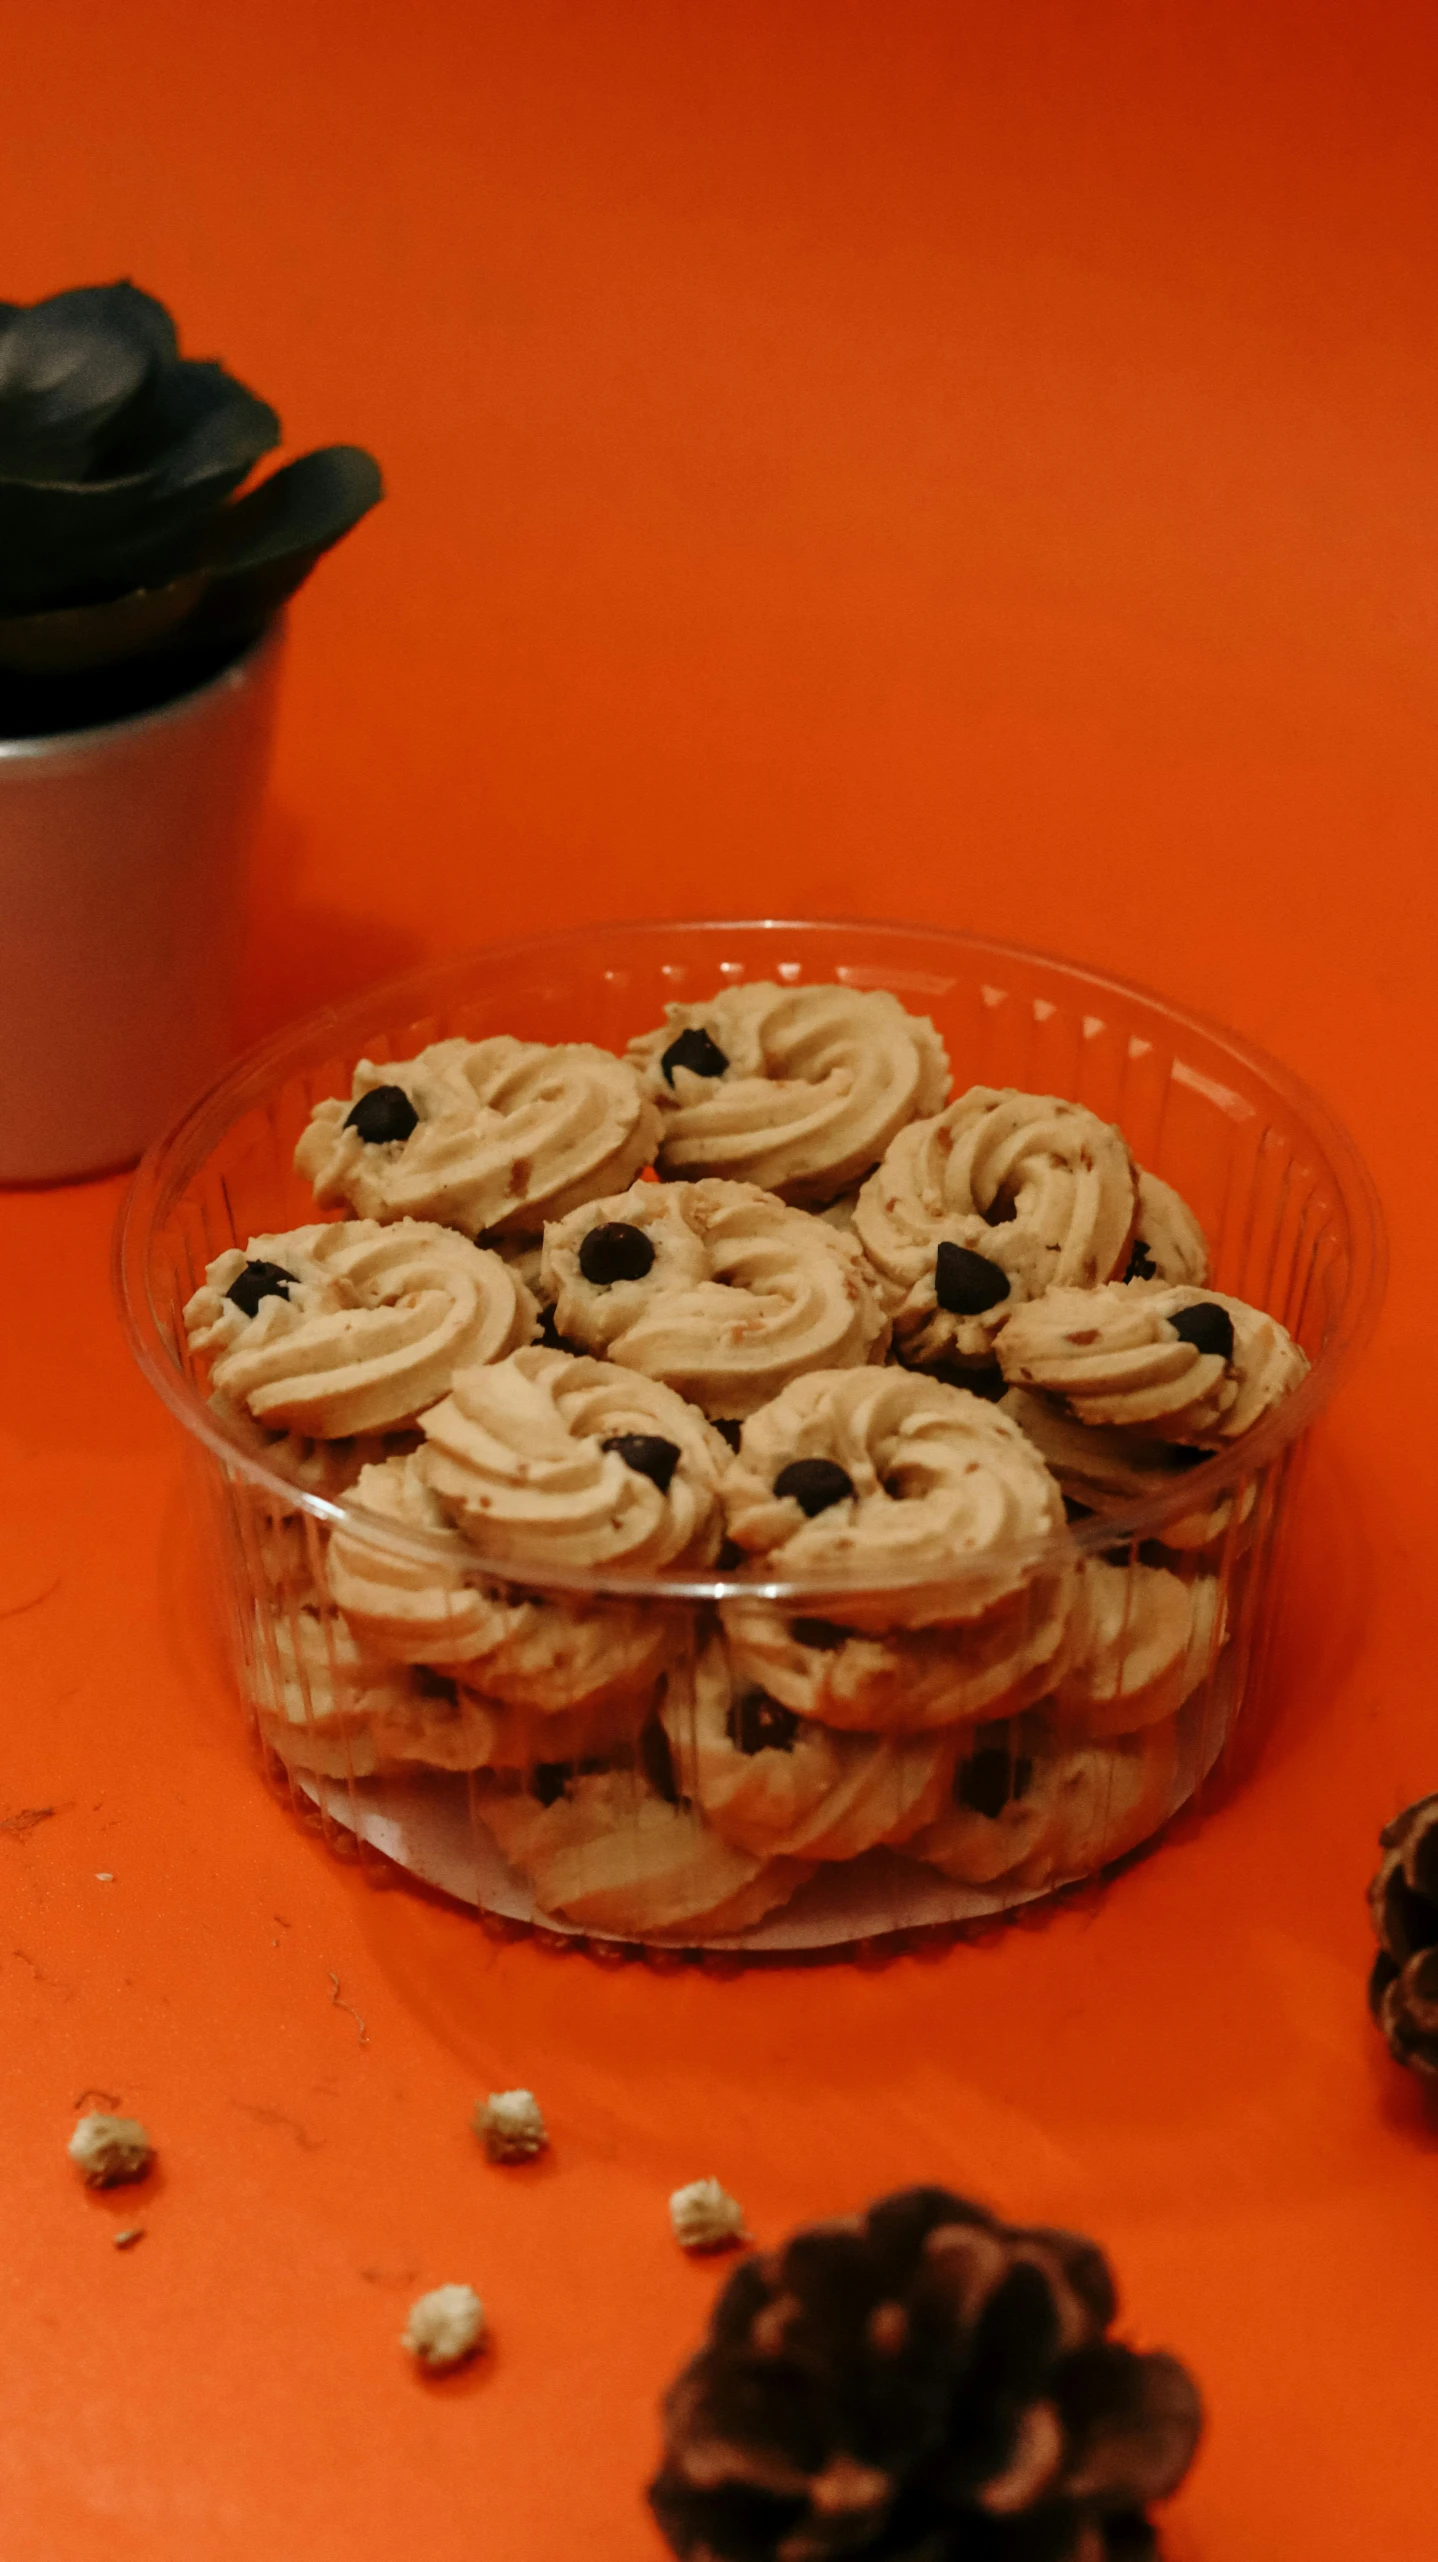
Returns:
point(427, 1825)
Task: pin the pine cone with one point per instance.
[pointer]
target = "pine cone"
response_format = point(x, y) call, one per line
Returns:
point(921, 2384)
point(1403, 1899)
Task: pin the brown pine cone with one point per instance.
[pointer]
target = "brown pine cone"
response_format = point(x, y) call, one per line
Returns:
point(921, 2384)
point(1403, 1899)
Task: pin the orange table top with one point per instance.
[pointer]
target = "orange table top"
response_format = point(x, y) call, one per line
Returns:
point(972, 464)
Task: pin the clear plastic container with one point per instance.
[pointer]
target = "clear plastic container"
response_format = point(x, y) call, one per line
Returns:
point(1028, 1791)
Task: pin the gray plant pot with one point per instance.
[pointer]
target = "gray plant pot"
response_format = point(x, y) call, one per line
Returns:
point(121, 875)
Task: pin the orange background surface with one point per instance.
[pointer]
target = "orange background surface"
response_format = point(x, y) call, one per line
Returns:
point(971, 462)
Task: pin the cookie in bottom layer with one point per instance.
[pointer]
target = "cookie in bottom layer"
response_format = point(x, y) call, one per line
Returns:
point(610, 1853)
point(780, 1785)
point(1028, 1811)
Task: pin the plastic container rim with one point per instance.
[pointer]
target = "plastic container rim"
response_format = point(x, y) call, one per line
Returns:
point(174, 1158)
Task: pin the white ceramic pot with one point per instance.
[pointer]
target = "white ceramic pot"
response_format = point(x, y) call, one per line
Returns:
point(121, 864)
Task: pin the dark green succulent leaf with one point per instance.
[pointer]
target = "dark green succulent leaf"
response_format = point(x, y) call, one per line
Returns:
point(299, 512)
point(266, 544)
point(70, 369)
point(76, 542)
point(87, 636)
point(118, 460)
point(207, 426)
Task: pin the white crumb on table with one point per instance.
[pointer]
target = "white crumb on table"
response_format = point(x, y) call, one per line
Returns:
point(445, 2327)
point(510, 2125)
point(104, 1877)
point(705, 2217)
point(106, 2150)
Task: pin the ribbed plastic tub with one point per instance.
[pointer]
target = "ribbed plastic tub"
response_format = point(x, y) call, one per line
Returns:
point(1293, 1227)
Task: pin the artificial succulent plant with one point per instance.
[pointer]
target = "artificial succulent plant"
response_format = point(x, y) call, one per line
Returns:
point(121, 533)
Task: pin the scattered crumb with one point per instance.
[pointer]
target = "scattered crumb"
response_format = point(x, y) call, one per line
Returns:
point(341, 2004)
point(705, 2217)
point(445, 2327)
point(511, 2127)
point(132, 2234)
point(104, 1877)
point(106, 2150)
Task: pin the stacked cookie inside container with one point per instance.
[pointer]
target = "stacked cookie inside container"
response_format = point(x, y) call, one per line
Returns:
point(702, 1449)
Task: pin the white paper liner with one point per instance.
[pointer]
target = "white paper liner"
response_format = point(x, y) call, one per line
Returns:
point(427, 1824)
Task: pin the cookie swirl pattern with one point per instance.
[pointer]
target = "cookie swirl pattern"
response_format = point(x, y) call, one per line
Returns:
point(1103, 1469)
point(1180, 1364)
point(1026, 1812)
point(903, 1680)
point(430, 1605)
point(883, 1478)
point(494, 1136)
point(324, 1704)
point(612, 1854)
point(352, 1329)
point(987, 1205)
point(798, 1089)
point(717, 1288)
point(1139, 1640)
point(780, 1786)
point(551, 1462)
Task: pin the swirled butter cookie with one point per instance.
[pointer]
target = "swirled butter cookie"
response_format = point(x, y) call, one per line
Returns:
point(344, 1330)
point(609, 1852)
point(1179, 1364)
point(1168, 1243)
point(924, 1503)
point(325, 1705)
point(284, 1542)
point(719, 1289)
point(1139, 1640)
point(1027, 1813)
point(1103, 1469)
point(799, 1089)
point(902, 1680)
point(781, 1786)
point(987, 1205)
point(494, 1136)
point(546, 1461)
point(429, 1602)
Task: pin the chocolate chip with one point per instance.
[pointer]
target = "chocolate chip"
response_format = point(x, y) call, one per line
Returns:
point(814, 1484)
point(824, 1635)
point(695, 1051)
point(730, 1431)
point(990, 1780)
point(730, 1556)
point(1207, 1327)
point(615, 1252)
point(966, 1283)
point(757, 1723)
point(648, 1454)
point(260, 1281)
point(1141, 1265)
point(385, 1113)
point(435, 1685)
point(1176, 1460)
point(549, 1780)
point(656, 1758)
